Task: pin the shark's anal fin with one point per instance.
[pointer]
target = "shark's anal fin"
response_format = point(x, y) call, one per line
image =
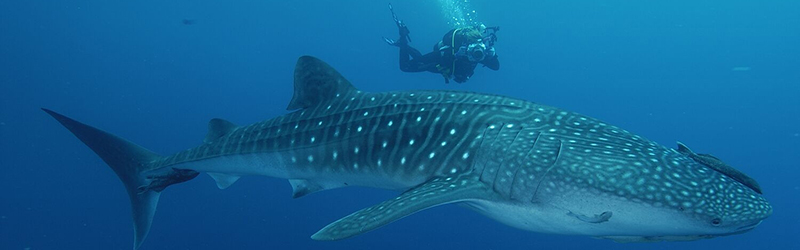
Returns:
point(301, 187)
point(597, 218)
point(438, 191)
point(316, 82)
point(218, 128)
point(224, 180)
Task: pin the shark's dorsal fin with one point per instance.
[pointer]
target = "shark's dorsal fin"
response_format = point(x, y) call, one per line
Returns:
point(224, 180)
point(218, 128)
point(438, 191)
point(316, 82)
point(683, 149)
point(718, 165)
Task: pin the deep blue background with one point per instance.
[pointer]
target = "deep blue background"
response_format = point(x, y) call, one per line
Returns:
point(667, 70)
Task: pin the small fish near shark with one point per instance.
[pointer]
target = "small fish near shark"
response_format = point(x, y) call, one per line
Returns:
point(527, 165)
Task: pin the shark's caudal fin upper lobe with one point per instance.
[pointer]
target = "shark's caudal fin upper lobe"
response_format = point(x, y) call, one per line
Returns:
point(128, 160)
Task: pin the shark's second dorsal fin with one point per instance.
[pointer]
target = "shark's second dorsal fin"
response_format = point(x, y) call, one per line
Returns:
point(718, 165)
point(316, 82)
point(218, 128)
point(438, 191)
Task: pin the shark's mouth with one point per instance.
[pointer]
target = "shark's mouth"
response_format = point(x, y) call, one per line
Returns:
point(739, 230)
point(637, 239)
point(746, 228)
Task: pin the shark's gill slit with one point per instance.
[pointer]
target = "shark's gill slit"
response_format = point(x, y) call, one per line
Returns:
point(516, 172)
point(507, 157)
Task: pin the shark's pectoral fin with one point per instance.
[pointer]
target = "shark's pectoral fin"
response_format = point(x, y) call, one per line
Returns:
point(438, 191)
point(597, 218)
point(224, 180)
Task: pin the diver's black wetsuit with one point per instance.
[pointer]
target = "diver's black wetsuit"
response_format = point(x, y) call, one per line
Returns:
point(441, 61)
point(411, 60)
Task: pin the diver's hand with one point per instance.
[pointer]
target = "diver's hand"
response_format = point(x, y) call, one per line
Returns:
point(490, 53)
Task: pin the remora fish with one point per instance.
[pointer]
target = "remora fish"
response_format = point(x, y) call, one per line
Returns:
point(527, 165)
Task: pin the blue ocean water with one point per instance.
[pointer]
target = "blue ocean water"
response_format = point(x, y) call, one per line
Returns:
point(720, 76)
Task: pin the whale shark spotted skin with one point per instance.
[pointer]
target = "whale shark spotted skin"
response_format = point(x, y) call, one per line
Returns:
point(530, 166)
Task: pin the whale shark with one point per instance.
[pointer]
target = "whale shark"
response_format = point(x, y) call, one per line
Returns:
point(527, 165)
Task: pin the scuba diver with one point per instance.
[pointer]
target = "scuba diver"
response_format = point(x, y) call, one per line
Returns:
point(455, 56)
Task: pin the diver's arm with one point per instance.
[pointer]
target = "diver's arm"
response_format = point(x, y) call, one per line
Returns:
point(492, 63)
point(491, 60)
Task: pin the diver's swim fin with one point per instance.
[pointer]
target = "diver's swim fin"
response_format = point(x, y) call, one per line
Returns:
point(390, 41)
point(400, 25)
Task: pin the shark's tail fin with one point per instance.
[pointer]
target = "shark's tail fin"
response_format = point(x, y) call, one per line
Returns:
point(128, 160)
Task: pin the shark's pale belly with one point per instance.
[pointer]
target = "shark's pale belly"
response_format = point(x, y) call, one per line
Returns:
point(582, 214)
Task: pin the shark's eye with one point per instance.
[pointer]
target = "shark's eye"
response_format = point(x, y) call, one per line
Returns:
point(716, 221)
